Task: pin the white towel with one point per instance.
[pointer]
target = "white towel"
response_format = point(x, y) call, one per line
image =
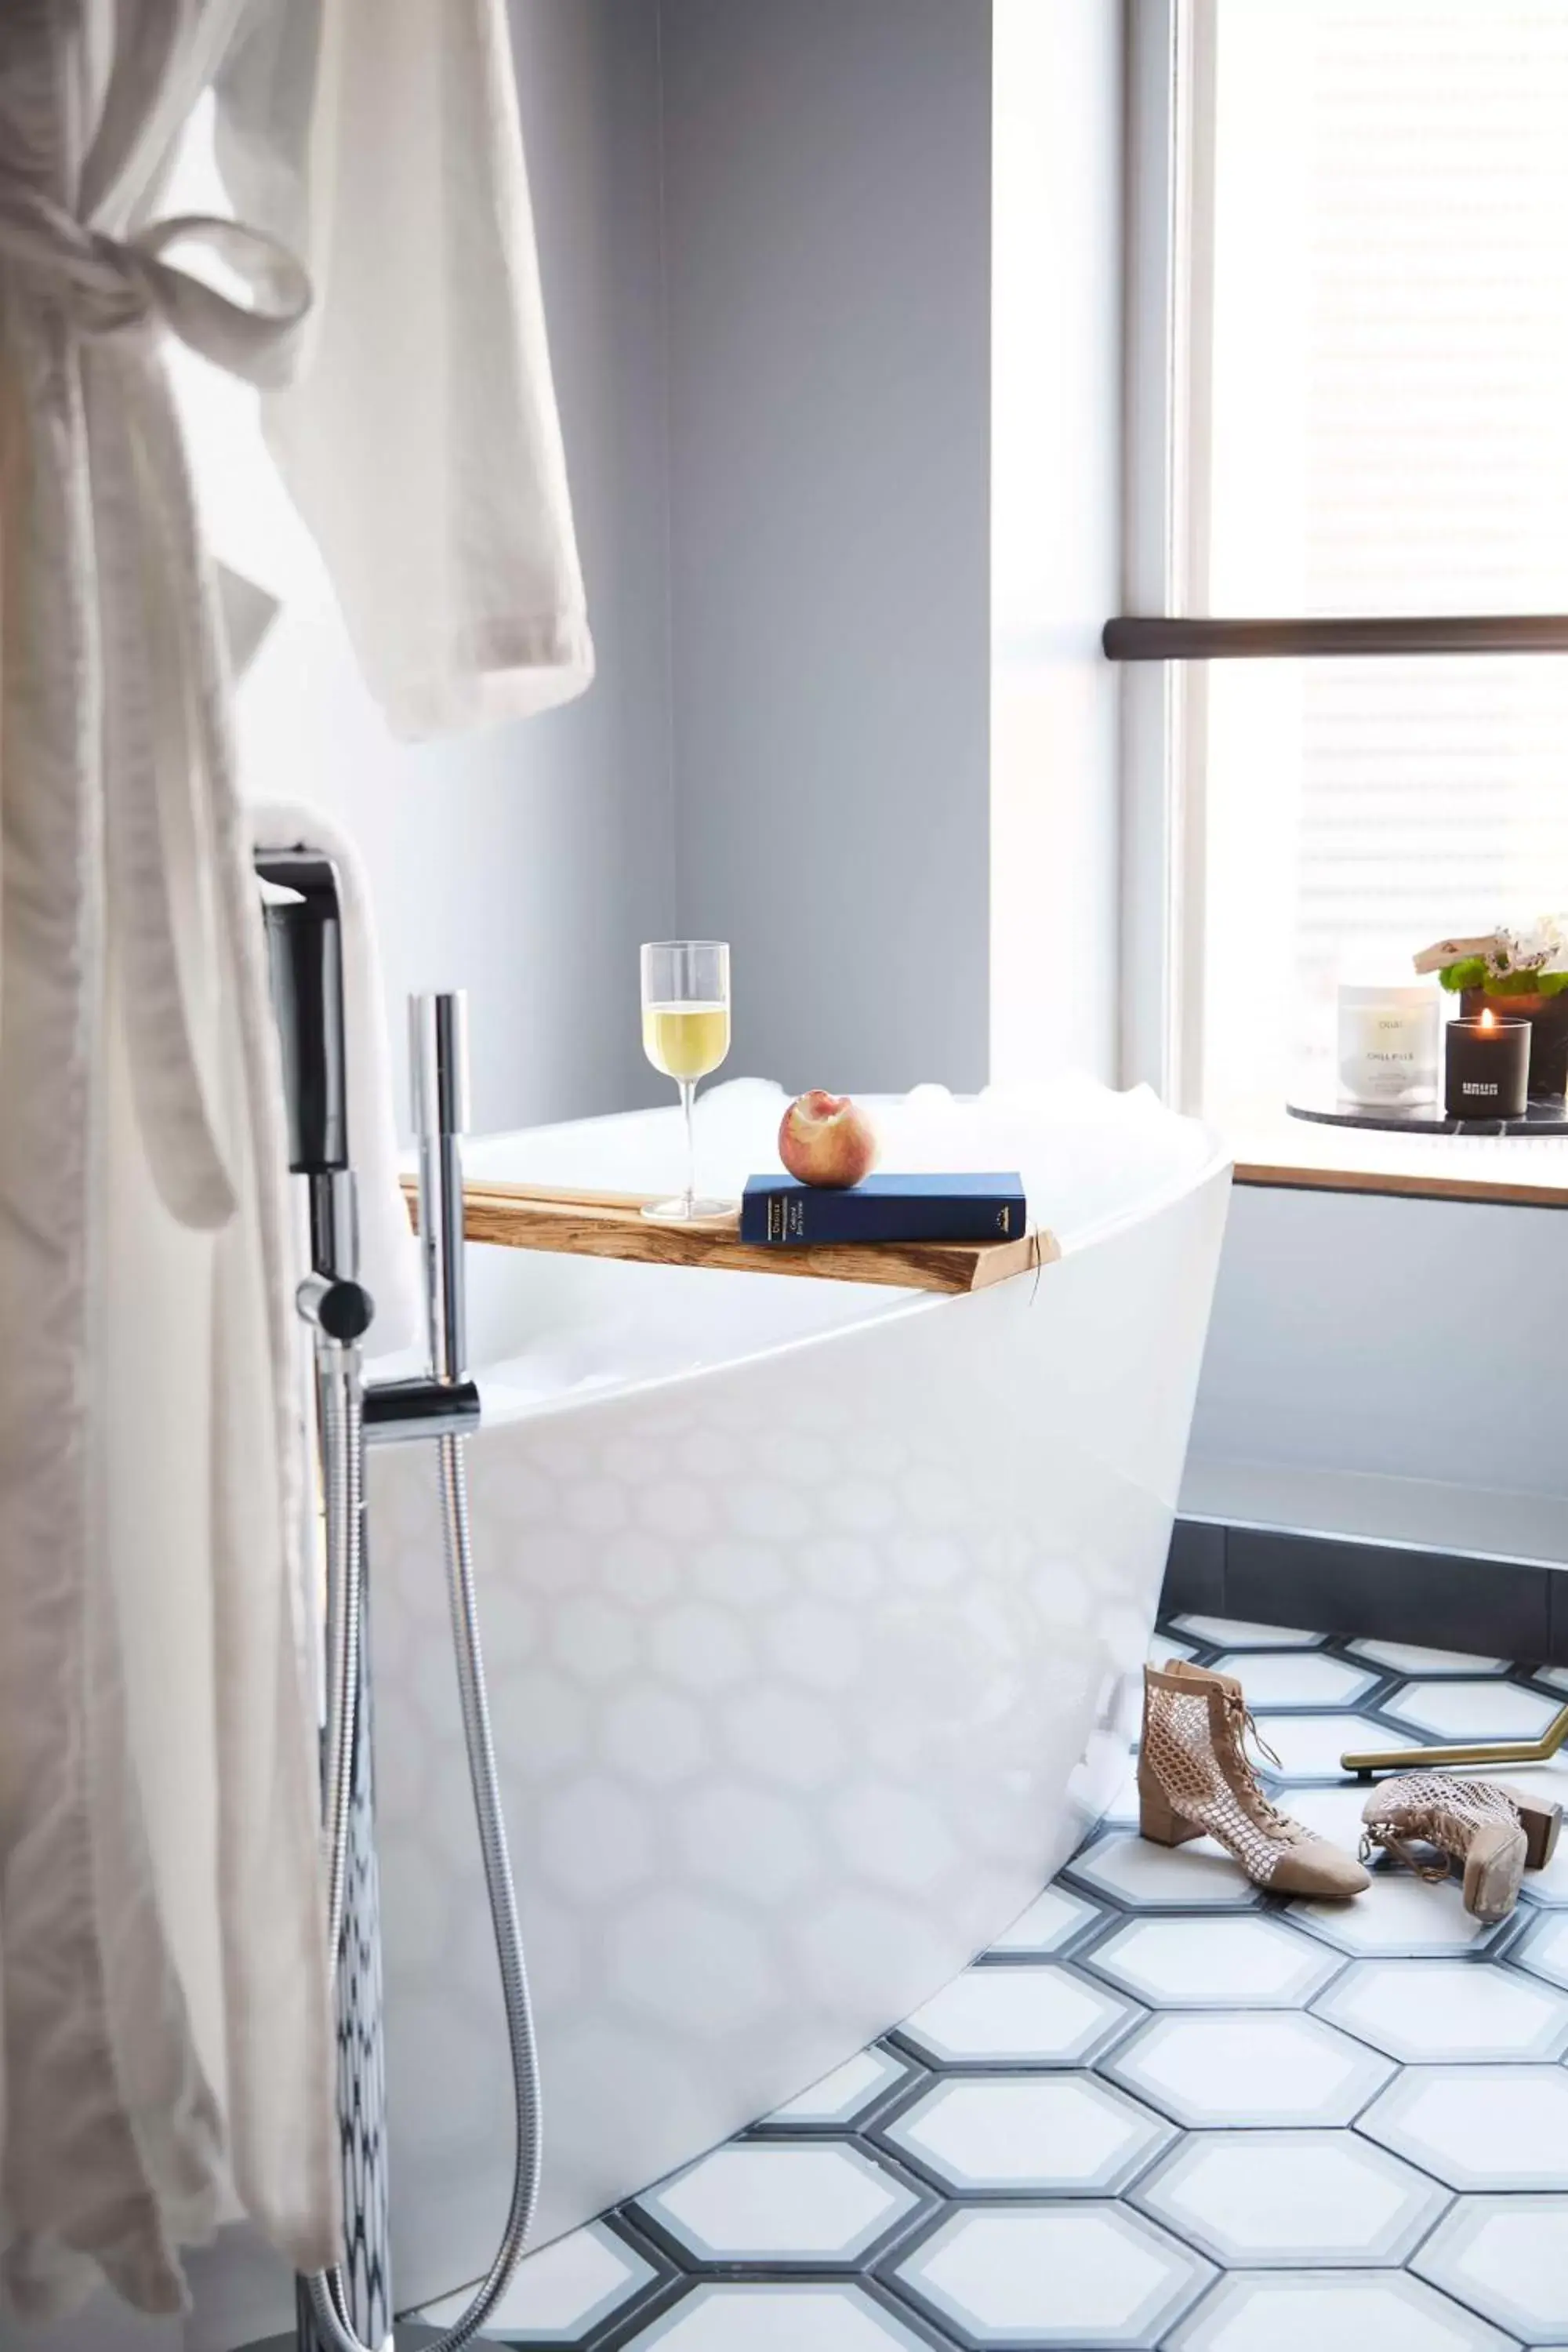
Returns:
point(389, 1255)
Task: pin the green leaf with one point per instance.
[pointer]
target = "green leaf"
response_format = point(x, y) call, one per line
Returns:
point(1470, 971)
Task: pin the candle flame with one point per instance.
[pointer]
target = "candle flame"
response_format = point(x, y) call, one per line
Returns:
point(1489, 1019)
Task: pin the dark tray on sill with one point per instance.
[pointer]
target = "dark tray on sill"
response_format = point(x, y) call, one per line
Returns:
point(1547, 1116)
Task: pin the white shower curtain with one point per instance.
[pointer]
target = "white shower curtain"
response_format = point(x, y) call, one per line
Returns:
point(166, 2060)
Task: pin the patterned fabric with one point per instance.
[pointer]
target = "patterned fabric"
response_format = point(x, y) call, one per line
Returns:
point(1436, 1810)
point(1202, 1768)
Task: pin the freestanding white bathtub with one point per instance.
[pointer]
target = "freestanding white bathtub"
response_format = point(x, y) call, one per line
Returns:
point(813, 1616)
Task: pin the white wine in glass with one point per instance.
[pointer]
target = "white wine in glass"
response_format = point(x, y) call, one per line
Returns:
point(686, 1035)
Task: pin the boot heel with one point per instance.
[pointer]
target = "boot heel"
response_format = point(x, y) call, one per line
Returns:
point(1541, 1820)
point(1493, 1868)
point(1160, 1823)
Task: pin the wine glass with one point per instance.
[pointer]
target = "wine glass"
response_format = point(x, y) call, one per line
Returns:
point(685, 1034)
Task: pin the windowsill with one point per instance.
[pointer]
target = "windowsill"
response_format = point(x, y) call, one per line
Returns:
point(1292, 1155)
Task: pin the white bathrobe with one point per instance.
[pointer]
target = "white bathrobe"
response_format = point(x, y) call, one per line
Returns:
point(166, 2054)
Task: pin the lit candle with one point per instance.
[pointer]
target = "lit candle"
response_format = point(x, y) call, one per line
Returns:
point(1487, 1067)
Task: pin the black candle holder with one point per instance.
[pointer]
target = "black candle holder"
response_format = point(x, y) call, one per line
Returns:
point(1486, 1068)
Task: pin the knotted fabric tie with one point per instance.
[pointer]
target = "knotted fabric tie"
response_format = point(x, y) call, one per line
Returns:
point(108, 284)
point(170, 798)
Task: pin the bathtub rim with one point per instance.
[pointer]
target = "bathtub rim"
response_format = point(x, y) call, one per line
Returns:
point(902, 1306)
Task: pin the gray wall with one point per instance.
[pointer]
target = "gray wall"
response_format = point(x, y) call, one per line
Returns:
point(827, 237)
point(527, 863)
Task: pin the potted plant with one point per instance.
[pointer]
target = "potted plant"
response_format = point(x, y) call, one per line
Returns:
point(1523, 976)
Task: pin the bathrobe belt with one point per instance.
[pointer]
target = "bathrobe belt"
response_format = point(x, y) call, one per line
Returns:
point(156, 616)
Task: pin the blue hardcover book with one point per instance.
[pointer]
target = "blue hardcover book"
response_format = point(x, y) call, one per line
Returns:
point(954, 1208)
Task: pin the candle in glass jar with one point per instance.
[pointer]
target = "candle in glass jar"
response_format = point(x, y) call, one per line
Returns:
point(1487, 1067)
point(1388, 1045)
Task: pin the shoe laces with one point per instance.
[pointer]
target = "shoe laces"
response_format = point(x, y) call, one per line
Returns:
point(1244, 1727)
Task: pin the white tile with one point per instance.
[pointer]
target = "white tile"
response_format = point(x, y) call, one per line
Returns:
point(783, 2315)
point(1062, 2135)
point(845, 2093)
point(1332, 1813)
point(1447, 2010)
point(1400, 1914)
point(1545, 1950)
point(1198, 1877)
point(1273, 1678)
point(765, 2201)
point(1084, 2274)
point(1478, 2127)
point(1228, 2066)
point(1478, 1709)
point(1238, 1634)
point(1273, 2199)
point(1555, 1677)
point(1051, 1921)
point(560, 2292)
point(1018, 2015)
point(1302, 2311)
point(1410, 1658)
point(1246, 1963)
point(1310, 1745)
point(1507, 2257)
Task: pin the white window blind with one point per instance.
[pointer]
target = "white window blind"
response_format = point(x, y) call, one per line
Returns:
point(1388, 431)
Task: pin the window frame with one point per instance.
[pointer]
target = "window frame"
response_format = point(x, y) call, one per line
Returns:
point(1163, 637)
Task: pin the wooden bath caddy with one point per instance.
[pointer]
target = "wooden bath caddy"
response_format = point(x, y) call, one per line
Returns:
point(611, 1224)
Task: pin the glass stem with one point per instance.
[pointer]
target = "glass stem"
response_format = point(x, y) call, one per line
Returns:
point(687, 1098)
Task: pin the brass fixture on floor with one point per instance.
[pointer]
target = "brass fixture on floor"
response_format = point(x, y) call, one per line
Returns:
point(1485, 1751)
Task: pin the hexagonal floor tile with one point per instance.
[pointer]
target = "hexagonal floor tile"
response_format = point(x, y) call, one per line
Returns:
point(1310, 1745)
point(1257, 2199)
point(1017, 2016)
point(1061, 2135)
point(1084, 2274)
point(842, 2095)
point(1507, 2257)
point(1400, 1915)
point(1478, 2127)
point(1544, 1949)
point(1275, 1678)
point(1301, 2311)
point(562, 2292)
point(1231, 2066)
point(1554, 1678)
point(1053, 1921)
point(1332, 1812)
point(1248, 1963)
point(1198, 1877)
point(1446, 2011)
point(1238, 1634)
point(768, 2202)
point(1480, 1709)
point(778, 2316)
point(1410, 1658)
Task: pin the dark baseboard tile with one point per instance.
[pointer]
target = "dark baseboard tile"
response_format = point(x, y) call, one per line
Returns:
point(1501, 1609)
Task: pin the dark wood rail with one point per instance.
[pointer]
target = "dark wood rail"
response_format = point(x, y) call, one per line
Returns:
point(1132, 640)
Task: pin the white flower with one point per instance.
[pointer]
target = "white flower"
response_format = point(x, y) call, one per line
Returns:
point(1541, 946)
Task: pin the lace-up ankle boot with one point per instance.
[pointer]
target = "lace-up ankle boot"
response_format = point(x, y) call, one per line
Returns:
point(1197, 1780)
point(1496, 1833)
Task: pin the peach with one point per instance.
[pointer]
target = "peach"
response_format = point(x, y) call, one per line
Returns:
point(826, 1139)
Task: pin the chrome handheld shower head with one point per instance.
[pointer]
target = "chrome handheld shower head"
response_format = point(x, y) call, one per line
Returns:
point(438, 1045)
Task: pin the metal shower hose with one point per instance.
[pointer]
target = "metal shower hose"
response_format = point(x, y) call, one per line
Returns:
point(343, 1451)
